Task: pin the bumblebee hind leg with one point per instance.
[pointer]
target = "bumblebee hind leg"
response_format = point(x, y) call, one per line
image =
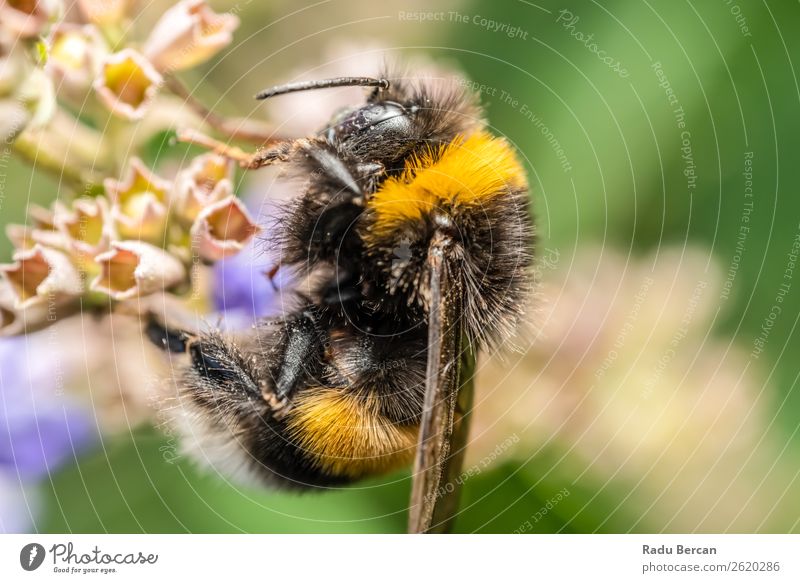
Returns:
point(169, 339)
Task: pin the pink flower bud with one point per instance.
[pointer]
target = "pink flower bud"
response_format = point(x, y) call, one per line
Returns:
point(27, 97)
point(127, 83)
point(41, 229)
point(42, 218)
point(134, 268)
point(104, 12)
point(87, 225)
point(74, 57)
point(27, 18)
point(222, 229)
point(207, 180)
point(15, 321)
point(41, 273)
point(139, 202)
point(86, 230)
point(24, 237)
point(15, 66)
point(8, 313)
point(187, 34)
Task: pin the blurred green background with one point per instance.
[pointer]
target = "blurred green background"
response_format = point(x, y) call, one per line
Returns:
point(620, 184)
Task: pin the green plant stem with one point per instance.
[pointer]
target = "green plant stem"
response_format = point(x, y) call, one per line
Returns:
point(31, 152)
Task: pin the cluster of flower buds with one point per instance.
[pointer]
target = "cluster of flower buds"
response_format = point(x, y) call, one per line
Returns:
point(40, 54)
point(26, 91)
point(140, 239)
point(135, 234)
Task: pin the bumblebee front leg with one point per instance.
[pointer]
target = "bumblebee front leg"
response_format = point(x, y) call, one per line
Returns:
point(277, 151)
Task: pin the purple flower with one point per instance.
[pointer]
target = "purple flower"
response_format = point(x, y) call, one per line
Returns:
point(17, 506)
point(243, 291)
point(40, 427)
point(246, 286)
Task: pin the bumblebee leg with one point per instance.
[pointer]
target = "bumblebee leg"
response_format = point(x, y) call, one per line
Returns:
point(302, 353)
point(165, 338)
point(222, 365)
point(279, 151)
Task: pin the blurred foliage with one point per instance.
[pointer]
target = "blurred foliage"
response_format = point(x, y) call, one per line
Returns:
point(128, 487)
point(134, 485)
point(626, 188)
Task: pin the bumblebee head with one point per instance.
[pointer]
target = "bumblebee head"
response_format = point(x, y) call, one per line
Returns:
point(386, 123)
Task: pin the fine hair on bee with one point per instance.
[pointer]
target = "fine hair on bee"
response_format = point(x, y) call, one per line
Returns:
point(332, 391)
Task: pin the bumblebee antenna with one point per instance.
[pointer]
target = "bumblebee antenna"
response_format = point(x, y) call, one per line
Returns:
point(323, 84)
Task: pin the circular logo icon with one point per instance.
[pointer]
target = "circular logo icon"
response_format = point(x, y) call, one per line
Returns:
point(31, 556)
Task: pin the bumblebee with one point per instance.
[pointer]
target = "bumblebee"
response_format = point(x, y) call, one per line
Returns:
point(403, 198)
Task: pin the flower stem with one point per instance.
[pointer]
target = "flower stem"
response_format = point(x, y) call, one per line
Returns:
point(234, 128)
point(31, 152)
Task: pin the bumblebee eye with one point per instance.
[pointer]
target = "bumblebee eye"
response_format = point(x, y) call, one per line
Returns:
point(384, 120)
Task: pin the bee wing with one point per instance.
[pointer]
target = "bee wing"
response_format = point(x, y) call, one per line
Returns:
point(448, 398)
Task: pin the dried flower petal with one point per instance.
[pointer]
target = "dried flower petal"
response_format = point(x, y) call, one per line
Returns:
point(127, 83)
point(187, 34)
point(74, 56)
point(139, 208)
point(207, 180)
point(39, 273)
point(27, 18)
point(135, 268)
point(222, 229)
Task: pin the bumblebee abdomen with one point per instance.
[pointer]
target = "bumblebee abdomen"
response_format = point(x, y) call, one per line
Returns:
point(344, 435)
